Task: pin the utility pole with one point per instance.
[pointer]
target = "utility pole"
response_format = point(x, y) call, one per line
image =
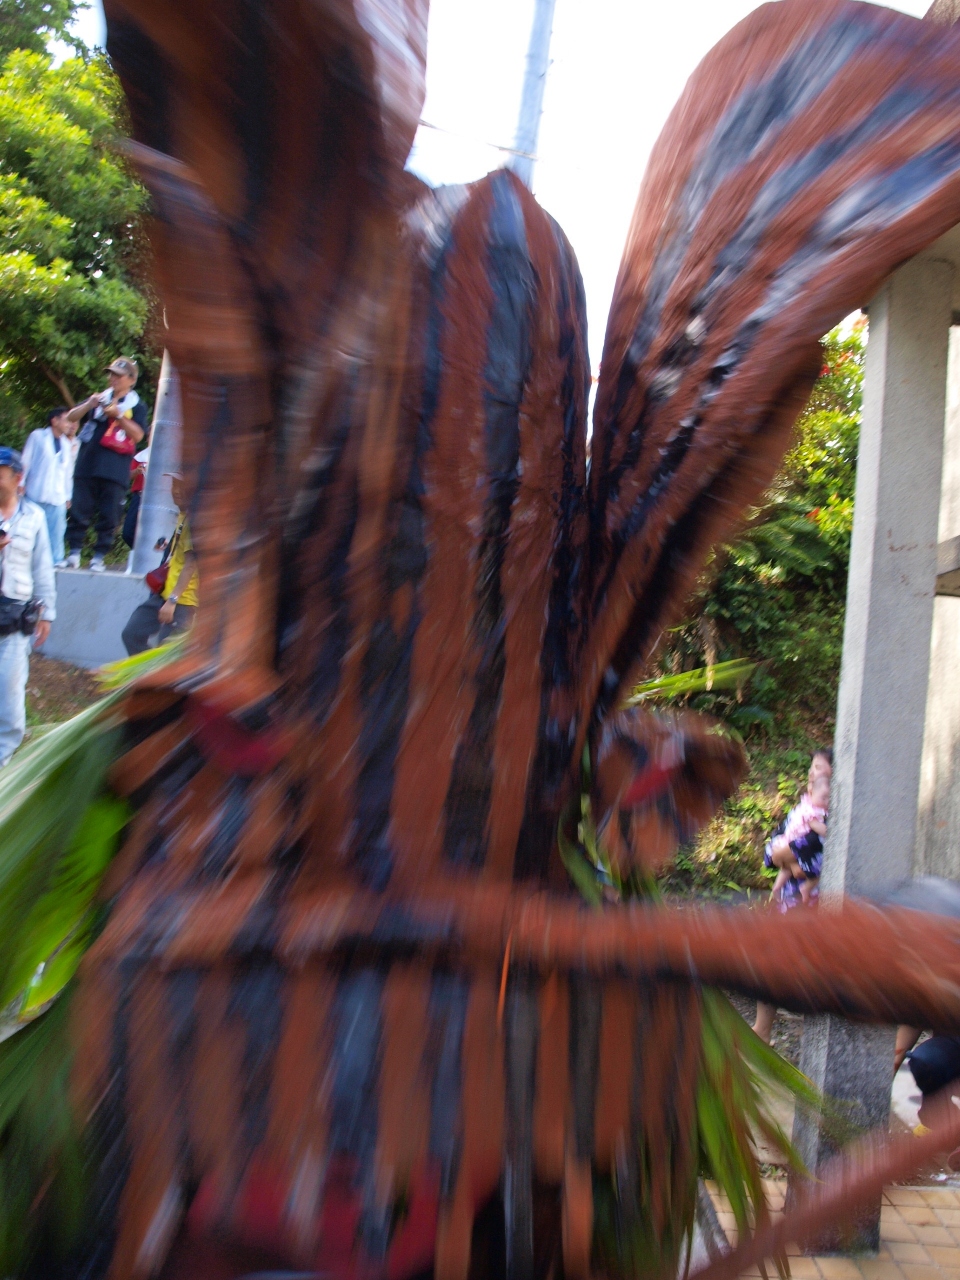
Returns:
point(158, 513)
point(534, 83)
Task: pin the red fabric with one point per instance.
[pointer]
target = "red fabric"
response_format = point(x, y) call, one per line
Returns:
point(232, 747)
point(256, 1220)
point(648, 783)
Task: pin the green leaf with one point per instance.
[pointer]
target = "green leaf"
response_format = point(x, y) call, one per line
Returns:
point(32, 24)
point(123, 672)
point(65, 906)
point(723, 675)
point(72, 246)
point(42, 1182)
point(580, 870)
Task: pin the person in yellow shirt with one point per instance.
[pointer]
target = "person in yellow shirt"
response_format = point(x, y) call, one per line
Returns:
point(172, 609)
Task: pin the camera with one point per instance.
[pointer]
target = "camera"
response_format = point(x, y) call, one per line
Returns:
point(32, 612)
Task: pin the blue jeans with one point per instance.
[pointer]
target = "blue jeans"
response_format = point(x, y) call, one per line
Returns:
point(14, 664)
point(56, 527)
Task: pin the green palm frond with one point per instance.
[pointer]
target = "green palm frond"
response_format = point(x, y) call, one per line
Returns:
point(739, 1078)
point(60, 826)
point(722, 675)
point(120, 674)
point(42, 1184)
point(57, 833)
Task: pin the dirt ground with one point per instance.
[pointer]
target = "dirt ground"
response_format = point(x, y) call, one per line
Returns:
point(787, 1027)
point(56, 690)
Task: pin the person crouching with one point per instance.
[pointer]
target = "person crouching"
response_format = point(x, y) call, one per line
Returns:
point(173, 608)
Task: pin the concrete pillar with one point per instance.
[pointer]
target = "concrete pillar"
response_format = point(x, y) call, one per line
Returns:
point(886, 653)
point(158, 512)
point(938, 820)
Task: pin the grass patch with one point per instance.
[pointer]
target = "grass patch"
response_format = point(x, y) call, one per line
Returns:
point(727, 857)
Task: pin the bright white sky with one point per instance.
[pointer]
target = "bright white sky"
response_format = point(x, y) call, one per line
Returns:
point(618, 66)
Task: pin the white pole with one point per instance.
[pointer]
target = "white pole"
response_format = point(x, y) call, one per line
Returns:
point(534, 83)
point(158, 513)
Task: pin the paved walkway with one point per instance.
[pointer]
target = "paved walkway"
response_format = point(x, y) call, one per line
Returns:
point(919, 1238)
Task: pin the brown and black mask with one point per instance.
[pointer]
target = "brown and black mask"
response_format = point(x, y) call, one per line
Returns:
point(659, 777)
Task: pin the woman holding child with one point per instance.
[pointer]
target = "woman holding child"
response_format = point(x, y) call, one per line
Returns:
point(796, 850)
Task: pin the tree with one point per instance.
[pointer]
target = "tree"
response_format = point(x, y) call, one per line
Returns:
point(777, 595)
point(71, 251)
point(32, 24)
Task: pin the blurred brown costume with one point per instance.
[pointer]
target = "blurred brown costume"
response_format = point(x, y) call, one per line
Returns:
point(419, 606)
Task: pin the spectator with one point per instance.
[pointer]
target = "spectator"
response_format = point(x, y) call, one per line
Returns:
point(72, 444)
point(114, 423)
point(173, 608)
point(27, 596)
point(935, 1063)
point(48, 474)
point(138, 473)
point(807, 850)
point(799, 857)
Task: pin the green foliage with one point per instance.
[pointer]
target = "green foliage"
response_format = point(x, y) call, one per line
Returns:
point(58, 832)
point(120, 674)
point(59, 829)
point(776, 598)
point(32, 24)
point(724, 675)
point(777, 595)
point(739, 1078)
point(41, 1164)
point(71, 247)
point(727, 855)
point(60, 826)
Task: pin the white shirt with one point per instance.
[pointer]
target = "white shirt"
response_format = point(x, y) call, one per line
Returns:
point(26, 565)
point(72, 445)
point(96, 416)
point(47, 472)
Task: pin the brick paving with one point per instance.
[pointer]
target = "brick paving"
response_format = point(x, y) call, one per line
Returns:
point(919, 1238)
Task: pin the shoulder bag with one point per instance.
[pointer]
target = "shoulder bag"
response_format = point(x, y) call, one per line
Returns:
point(156, 579)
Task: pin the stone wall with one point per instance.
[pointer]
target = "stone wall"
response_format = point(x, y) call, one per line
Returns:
point(92, 609)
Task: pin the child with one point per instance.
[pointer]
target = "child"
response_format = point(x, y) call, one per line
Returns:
point(806, 853)
point(800, 859)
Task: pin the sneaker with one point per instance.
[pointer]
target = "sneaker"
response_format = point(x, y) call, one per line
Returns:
point(97, 565)
point(73, 560)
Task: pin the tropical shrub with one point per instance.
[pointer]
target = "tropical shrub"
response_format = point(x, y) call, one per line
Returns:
point(776, 598)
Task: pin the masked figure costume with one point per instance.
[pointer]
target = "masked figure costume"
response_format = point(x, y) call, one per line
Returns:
point(344, 967)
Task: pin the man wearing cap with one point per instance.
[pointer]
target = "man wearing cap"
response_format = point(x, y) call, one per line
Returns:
point(28, 596)
point(115, 421)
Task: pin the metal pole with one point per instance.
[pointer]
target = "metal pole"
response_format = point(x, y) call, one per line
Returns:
point(158, 513)
point(534, 83)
